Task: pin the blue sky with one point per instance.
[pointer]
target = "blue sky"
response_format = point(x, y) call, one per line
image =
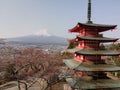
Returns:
point(26, 17)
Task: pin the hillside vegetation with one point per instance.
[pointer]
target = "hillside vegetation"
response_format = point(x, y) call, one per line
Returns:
point(24, 64)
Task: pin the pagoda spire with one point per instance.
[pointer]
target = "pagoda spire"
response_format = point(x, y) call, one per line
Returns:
point(89, 12)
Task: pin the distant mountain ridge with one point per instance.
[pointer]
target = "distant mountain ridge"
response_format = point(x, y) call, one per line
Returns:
point(38, 39)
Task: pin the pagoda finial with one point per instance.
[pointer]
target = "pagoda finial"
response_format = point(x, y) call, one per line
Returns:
point(89, 12)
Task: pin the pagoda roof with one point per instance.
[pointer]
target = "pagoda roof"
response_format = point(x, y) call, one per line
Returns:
point(101, 39)
point(86, 66)
point(93, 52)
point(97, 52)
point(93, 84)
point(92, 26)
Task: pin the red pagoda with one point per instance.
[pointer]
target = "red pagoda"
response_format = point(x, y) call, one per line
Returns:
point(91, 70)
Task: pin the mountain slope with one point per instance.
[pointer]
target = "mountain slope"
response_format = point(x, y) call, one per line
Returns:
point(35, 39)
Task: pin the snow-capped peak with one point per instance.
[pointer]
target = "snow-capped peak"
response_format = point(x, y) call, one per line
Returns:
point(43, 32)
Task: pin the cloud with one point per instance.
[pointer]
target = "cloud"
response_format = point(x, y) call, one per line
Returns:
point(42, 32)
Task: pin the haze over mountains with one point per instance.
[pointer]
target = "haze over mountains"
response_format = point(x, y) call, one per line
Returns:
point(38, 38)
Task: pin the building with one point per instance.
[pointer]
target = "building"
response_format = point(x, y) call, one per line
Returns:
point(91, 71)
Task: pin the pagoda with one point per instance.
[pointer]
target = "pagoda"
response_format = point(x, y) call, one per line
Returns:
point(91, 71)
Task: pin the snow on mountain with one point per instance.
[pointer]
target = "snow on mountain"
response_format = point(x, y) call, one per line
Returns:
point(43, 32)
point(38, 39)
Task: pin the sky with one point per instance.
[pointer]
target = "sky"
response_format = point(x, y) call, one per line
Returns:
point(54, 17)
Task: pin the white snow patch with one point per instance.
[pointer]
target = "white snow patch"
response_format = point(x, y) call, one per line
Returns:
point(42, 32)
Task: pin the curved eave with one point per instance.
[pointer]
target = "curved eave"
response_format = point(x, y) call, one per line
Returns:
point(93, 84)
point(99, 27)
point(100, 39)
point(93, 52)
point(98, 52)
point(76, 65)
point(77, 28)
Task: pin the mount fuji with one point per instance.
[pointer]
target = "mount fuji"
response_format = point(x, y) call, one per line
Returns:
point(38, 39)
